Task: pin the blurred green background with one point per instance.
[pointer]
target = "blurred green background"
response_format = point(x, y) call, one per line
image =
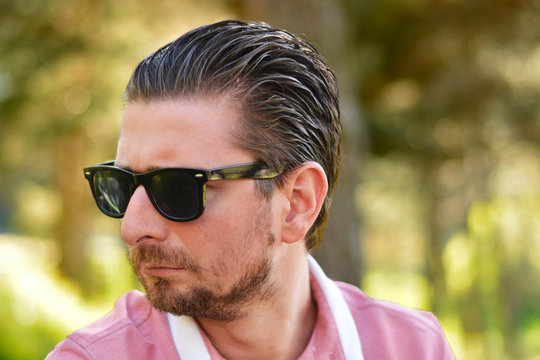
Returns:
point(438, 206)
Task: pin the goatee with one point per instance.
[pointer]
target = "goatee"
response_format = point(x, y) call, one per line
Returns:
point(201, 300)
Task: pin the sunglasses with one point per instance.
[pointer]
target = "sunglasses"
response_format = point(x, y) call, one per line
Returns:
point(178, 194)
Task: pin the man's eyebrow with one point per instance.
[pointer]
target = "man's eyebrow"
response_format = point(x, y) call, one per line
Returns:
point(150, 168)
point(154, 167)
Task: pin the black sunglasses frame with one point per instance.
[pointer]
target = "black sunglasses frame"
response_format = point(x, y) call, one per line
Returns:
point(254, 171)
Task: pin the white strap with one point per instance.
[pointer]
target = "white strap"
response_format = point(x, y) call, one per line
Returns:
point(190, 345)
point(187, 338)
point(348, 334)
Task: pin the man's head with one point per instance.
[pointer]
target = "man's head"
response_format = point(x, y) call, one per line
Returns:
point(284, 89)
point(226, 102)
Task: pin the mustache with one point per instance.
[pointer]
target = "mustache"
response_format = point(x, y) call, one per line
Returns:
point(159, 257)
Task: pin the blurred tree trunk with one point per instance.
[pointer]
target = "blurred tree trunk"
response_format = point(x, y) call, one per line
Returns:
point(340, 251)
point(71, 225)
point(434, 268)
point(323, 23)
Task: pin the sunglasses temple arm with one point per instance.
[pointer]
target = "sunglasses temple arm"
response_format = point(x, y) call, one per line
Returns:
point(251, 171)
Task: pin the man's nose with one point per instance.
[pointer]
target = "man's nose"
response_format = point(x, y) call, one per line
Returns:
point(142, 222)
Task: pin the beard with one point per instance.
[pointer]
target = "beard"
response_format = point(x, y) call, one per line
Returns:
point(208, 300)
point(201, 301)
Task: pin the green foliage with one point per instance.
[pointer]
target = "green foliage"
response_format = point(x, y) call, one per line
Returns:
point(449, 95)
point(40, 307)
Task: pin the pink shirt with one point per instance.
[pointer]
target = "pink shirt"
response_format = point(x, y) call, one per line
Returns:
point(135, 330)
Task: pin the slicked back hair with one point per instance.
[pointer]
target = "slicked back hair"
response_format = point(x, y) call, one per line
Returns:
point(287, 94)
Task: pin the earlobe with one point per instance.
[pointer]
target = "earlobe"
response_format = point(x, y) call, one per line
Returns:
point(306, 189)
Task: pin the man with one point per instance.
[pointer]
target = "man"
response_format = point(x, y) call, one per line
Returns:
point(229, 151)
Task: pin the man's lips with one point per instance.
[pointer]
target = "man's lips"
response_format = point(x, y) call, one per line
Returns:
point(163, 271)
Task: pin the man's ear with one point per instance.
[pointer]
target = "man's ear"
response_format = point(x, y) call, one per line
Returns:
point(305, 189)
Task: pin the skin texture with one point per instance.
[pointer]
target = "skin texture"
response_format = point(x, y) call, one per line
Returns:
point(240, 269)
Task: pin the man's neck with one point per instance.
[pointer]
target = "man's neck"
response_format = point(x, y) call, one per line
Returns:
point(279, 328)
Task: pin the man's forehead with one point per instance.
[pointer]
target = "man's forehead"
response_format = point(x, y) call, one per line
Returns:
point(196, 132)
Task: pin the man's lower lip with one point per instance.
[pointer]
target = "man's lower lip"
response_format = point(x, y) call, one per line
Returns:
point(163, 272)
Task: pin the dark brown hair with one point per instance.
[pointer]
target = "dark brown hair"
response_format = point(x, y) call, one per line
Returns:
point(287, 94)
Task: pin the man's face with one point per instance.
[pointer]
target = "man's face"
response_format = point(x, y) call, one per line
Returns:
point(215, 265)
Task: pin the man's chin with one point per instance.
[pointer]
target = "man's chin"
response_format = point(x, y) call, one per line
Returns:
point(165, 296)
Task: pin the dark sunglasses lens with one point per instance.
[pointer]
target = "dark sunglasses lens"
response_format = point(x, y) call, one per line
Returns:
point(176, 194)
point(112, 191)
